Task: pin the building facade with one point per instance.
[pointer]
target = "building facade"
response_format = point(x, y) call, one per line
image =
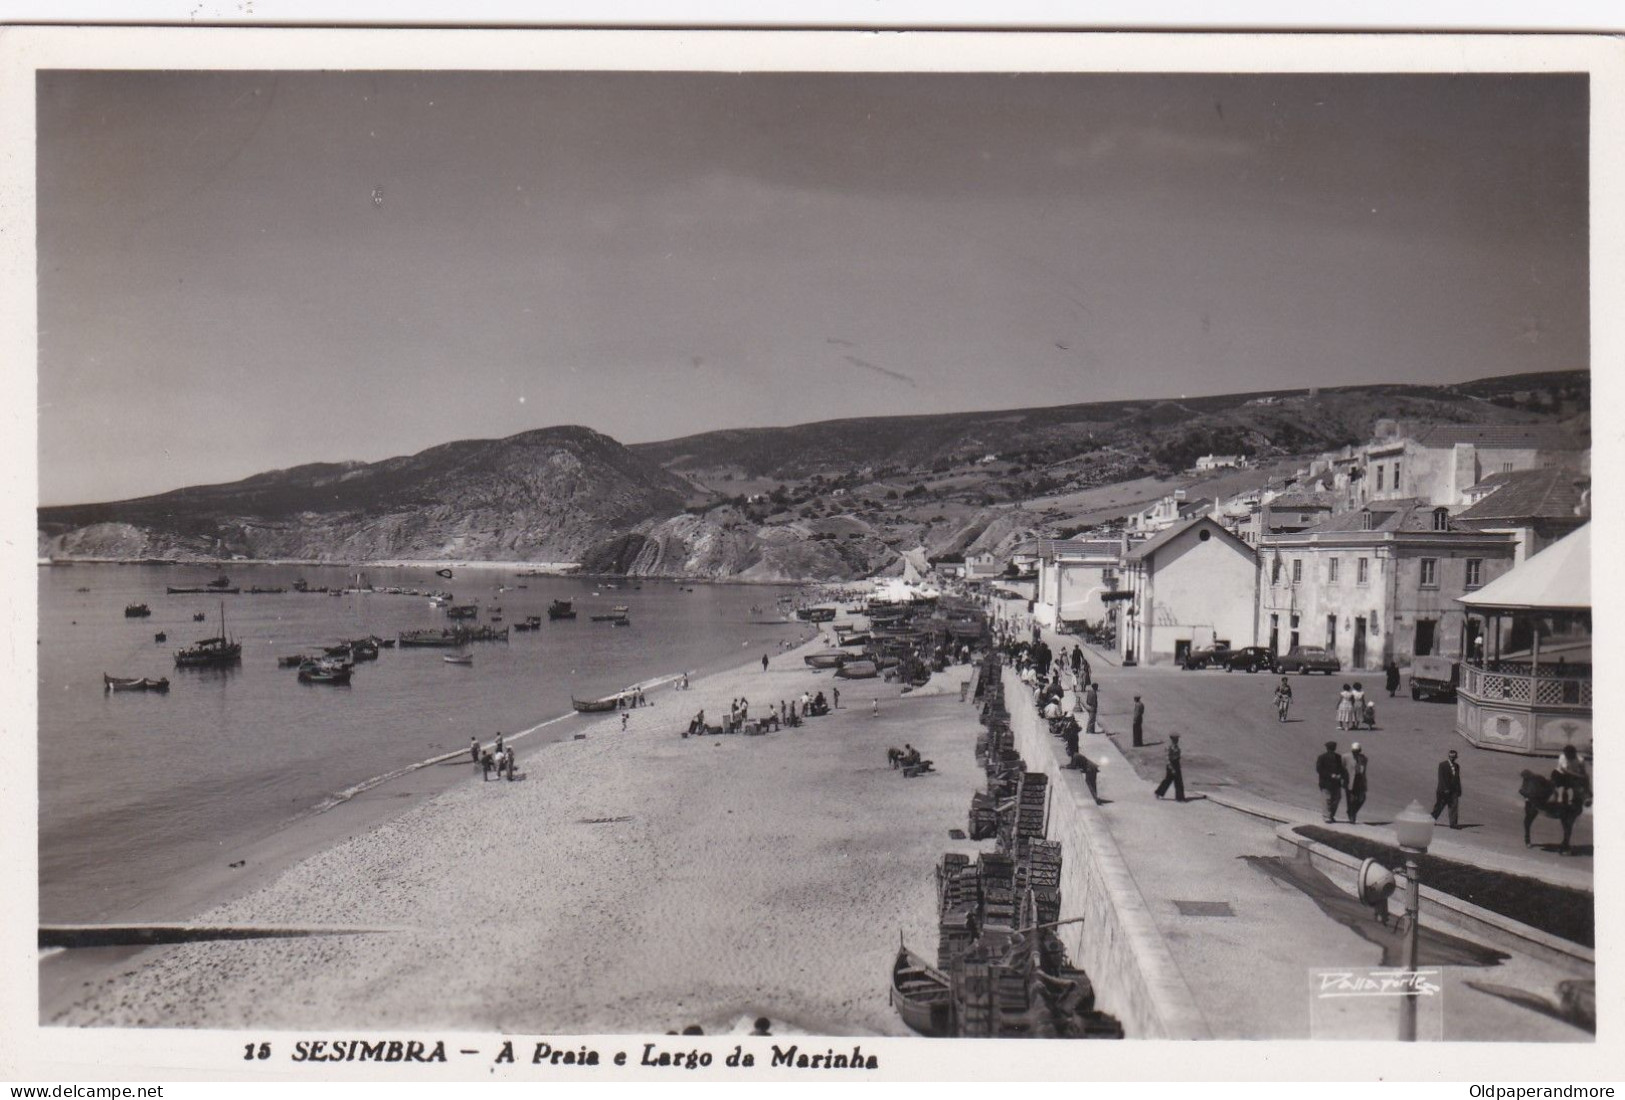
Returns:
point(1191, 586)
point(1073, 575)
point(1377, 584)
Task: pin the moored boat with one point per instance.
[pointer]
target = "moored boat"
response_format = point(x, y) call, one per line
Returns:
point(828, 659)
point(922, 995)
point(206, 590)
point(136, 611)
point(595, 706)
point(324, 672)
point(291, 662)
point(139, 683)
point(561, 609)
point(216, 652)
point(458, 658)
point(858, 670)
point(462, 611)
point(816, 614)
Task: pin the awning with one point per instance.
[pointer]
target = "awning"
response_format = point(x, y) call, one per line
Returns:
point(1556, 579)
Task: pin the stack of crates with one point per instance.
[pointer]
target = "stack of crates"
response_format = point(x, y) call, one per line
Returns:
point(956, 889)
point(998, 890)
point(1031, 804)
point(984, 817)
point(954, 939)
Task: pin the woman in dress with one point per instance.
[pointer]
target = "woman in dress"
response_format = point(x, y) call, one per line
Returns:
point(1345, 708)
point(1358, 699)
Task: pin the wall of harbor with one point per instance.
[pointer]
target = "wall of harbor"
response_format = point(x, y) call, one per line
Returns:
point(1118, 943)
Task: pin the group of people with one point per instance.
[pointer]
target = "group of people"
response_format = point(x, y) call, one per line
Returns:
point(1353, 708)
point(1343, 781)
point(908, 760)
point(497, 757)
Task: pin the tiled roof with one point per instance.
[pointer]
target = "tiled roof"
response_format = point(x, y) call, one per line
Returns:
point(1523, 494)
point(1152, 545)
point(1386, 515)
point(1544, 437)
point(1301, 501)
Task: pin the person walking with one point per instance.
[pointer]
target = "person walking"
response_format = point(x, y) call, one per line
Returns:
point(1345, 708)
point(511, 768)
point(1283, 699)
point(1331, 776)
point(1175, 775)
point(1365, 712)
point(1091, 703)
point(499, 742)
point(764, 662)
point(1391, 674)
point(474, 749)
point(1354, 780)
point(485, 764)
point(835, 693)
point(876, 712)
point(1447, 791)
point(1139, 723)
point(623, 721)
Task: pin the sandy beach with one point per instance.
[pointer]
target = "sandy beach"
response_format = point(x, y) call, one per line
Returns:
point(631, 881)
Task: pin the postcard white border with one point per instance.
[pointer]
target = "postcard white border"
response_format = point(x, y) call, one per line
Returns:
point(29, 1052)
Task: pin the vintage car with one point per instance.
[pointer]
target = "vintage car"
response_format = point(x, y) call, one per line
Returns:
point(1304, 659)
point(1207, 656)
point(1253, 658)
point(1434, 678)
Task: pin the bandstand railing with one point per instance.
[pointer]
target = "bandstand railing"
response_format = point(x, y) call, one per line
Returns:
point(1517, 683)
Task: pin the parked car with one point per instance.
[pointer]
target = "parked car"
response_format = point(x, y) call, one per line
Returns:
point(1434, 678)
point(1304, 659)
point(1253, 658)
point(1207, 656)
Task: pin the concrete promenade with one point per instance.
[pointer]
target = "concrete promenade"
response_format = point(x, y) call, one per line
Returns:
point(1246, 942)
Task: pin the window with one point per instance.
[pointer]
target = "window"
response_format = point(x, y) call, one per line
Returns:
point(1275, 571)
point(1331, 570)
point(1506, 467)
point(1396, 475)
point(1441, 519)
point(1362, 571)
point(1297, 570)
point(1365, 519)
point(1430, 572)
point(1475, 572)
point(1380, 472)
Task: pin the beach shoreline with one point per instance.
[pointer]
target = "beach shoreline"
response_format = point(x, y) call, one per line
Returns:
point(65, 976)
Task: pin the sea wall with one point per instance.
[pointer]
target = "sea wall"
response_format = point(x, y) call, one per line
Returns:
point(1118, 943)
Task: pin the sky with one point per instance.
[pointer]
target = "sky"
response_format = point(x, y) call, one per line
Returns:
point(241, 272)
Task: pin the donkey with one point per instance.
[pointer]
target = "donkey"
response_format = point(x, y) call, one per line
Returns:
point(1540, 796)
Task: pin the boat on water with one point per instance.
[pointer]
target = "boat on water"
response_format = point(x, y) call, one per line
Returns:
point(256, 590)
point(616, 614)
point(443, 573)
point(596, 706)
point(136, 611)
point(291, 662)
point(216, 652)
point(922, 995)
point(532, 622)
point(198, 617)
point(463, 611)
point(561, 609)
point(222, 581)
point(139, 683)
point(858, 670)
point(160, 637)
point(324, 672)
point(206, 590)
point(831, 658)
point(458, 658)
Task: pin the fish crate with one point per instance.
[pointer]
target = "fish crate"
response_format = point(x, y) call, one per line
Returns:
point(998, 871)
point(955, 939)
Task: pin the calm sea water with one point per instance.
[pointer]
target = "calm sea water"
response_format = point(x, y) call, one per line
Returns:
point(138, 790)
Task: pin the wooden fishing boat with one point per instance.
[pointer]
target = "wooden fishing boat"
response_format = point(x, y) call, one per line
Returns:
point(816, 614)
point(621, 620)
point(462, 611)
point(216, 652)
point(206, 590)
point(922, 995)
point(596, 706)
point(136, 611)
point(858, 670)
point(853, 639)
point(323, 672)
point(160, 637)
point(291, 662)
point(561, 609)
point(828, 659)
point(443, 573)
point(458, 658)
point(222, 581)
point(615, 613)
point(139, 683)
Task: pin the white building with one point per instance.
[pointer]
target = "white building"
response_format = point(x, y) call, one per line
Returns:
point(1073, 574)
point(1193, 585)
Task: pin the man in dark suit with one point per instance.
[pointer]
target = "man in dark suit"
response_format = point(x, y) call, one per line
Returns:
point(1330, 773)
point(1139, 722)
point(1175, 775)
point(1447, 792)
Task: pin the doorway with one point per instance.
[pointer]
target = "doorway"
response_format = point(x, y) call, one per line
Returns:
point(1424, 637)
point(1359, 641)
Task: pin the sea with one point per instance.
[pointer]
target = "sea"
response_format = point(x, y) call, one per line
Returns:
point(138, 791)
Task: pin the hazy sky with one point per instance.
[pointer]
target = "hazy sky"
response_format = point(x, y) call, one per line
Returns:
point(240, 272)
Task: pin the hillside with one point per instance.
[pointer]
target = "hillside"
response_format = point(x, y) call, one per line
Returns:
point(541, 495)
point(835, 500)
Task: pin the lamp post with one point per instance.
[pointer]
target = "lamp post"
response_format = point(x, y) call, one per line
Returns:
point(1414, 828)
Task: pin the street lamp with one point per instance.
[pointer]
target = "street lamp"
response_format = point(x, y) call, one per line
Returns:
point(1414, 829)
